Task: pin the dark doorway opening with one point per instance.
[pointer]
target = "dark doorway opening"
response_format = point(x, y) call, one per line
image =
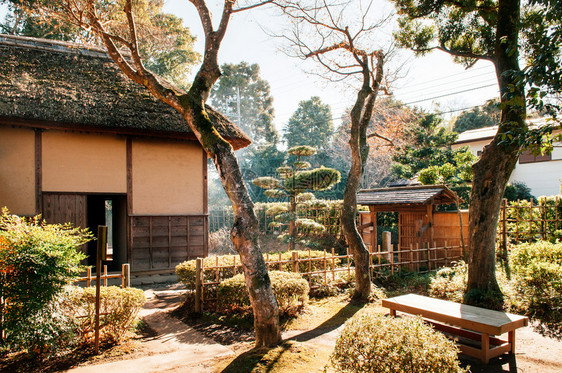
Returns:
point(110, 210)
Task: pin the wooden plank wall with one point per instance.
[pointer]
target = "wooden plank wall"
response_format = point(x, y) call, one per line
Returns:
point(446, 228)
point(60, 208)
point(162, 242)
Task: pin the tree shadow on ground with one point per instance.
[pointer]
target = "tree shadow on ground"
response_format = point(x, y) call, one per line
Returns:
point(267, 358)
point(506, 363)
point(332, 323)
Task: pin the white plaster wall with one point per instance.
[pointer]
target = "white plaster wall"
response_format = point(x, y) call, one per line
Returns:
point(544, 178)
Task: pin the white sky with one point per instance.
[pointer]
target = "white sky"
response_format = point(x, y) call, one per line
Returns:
point(428, 77)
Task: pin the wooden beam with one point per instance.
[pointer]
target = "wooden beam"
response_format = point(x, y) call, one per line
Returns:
point(38, 171)
point(129, 168)
point(129, 175)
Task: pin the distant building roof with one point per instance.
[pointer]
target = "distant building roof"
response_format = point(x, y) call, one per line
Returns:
point(488, 133)
point(404, 182)
point(408, 195)
point(57, 84)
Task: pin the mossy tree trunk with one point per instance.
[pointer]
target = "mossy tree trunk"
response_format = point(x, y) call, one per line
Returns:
point(498, 159)
point(360, 119)
point(191, 105)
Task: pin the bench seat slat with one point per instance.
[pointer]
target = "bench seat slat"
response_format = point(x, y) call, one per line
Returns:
point(465, 316)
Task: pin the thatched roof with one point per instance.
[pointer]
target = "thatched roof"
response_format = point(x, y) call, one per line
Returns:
point(409, 195)
point(45, 82)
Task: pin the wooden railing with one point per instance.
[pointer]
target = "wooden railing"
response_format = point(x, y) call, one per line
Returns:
point(124, 275)
point(381, 263)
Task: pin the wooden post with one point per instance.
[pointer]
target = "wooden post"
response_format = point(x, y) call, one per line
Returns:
point(411, 258)
point(386, 244)
point(126, 272)
point(89, 276)
point(391, 259)
point(102, 242)
point(373, 215)
point(295, 261)
point(198, 285)
point(105, 275)
point(325, 278)
point(428, 257)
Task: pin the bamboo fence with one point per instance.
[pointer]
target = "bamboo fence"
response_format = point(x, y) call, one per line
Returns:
point(525, 221)
point(332, 267)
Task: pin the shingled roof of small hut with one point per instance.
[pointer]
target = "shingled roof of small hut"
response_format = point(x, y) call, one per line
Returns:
point(71, 85)
point(409, 195)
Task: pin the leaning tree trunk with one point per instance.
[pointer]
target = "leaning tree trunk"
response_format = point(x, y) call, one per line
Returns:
point(498, 159)
point(360, 119)
point(245, 229)
point(191, 105)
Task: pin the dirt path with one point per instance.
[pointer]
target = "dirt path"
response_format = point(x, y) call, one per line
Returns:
point(176, 347)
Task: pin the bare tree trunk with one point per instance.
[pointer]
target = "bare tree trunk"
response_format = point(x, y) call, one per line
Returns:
point(360, 119)
point(245, 229)
point(498, 160)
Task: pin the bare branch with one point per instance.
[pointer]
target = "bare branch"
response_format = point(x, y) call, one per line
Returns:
point(243, 9)
point(375, 134)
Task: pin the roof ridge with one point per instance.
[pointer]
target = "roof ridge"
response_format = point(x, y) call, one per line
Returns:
point(54, 46)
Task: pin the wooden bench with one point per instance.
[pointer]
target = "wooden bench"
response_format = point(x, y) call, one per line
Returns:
point(473, 323)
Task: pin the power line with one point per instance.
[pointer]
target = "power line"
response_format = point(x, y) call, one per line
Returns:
point(450, 94)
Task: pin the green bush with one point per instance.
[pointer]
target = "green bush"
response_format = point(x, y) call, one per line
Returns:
point(450, 282)
point(118, 311)
point(36, 261)
point(371, 342)
point(186, 270)
point(537, 272)
point(290, 289)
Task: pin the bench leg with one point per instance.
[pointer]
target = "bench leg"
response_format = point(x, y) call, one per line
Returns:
point(511, 340)
point(393, 313)
point(485, 338)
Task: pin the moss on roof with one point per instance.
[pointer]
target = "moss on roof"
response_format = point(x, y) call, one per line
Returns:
point(73, 86)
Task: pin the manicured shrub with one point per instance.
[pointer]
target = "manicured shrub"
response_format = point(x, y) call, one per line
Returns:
point(537, 272)
point(371, 342)
point(118, 311)
point(290, 289)
point(36, 261)
point(450, 282)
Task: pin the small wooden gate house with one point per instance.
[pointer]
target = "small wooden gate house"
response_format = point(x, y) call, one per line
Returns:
point(82, 143)
point(419, 224)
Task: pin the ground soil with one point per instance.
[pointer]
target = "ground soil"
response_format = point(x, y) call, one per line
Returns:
point(218, 344)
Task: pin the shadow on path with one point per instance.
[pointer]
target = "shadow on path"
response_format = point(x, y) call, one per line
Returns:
point(267, 358)
point(332, 323)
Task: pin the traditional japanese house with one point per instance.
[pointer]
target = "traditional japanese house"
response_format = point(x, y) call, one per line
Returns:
point(82, 143)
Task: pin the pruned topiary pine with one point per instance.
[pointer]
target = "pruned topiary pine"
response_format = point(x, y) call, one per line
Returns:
point(294, 181)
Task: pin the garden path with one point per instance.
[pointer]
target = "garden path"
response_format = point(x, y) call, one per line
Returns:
point(176, 347)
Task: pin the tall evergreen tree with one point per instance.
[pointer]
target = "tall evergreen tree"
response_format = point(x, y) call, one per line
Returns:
point(311, 124)
point(241, 88)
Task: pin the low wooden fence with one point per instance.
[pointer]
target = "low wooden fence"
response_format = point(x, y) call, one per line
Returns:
point(124, 275)
point(331, 268)
point(525, 221)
